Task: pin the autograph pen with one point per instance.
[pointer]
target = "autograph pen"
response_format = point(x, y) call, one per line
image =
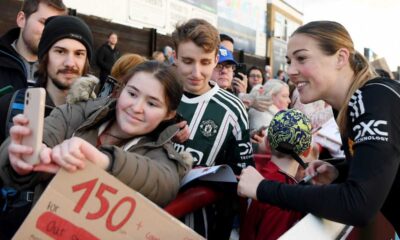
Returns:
point(308, 178)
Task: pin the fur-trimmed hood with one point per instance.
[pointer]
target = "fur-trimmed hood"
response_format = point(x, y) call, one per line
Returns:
point(83, 89)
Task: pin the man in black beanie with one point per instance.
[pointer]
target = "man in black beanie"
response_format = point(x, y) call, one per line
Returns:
point(64, 52)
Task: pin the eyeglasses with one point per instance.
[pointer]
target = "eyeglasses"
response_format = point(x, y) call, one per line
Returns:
point(228, 66)
point(255, 76)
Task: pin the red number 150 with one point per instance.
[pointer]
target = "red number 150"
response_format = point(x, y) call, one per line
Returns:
point(104, 204)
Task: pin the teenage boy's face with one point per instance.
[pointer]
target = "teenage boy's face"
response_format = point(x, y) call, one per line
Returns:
point(195, 66)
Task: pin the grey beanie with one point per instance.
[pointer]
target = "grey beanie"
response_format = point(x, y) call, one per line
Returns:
point(60, 27)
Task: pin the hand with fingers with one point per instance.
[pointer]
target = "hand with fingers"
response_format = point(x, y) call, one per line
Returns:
point(16, 149)
point(322, 172)
point(257, 136)
point(240, 85)
point(183, 134)
point(250, 178)
point(72, 154)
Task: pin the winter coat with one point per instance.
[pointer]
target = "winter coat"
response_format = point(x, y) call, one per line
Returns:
point(151, 167)
point(12, 68)
point(264, 221)
point(105, 59)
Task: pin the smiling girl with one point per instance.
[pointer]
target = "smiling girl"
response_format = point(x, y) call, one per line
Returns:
point(128, 137)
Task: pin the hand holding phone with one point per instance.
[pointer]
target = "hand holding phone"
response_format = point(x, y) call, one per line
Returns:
point(183, 133)
point(34, 110)
point(259, 131)
point(240, 68)
point(257, 135)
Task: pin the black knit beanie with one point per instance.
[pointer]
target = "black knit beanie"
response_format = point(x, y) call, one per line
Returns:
point(60, 27)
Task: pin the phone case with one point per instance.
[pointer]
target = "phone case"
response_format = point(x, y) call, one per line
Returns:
point(240, 68)
point(34, 110)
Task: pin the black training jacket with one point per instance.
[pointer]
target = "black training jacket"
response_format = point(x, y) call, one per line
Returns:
point(372, 148)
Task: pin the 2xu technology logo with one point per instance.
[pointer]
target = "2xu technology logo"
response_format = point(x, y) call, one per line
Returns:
point(373, 130)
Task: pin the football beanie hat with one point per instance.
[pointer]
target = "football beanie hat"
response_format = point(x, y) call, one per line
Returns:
point(290, 130)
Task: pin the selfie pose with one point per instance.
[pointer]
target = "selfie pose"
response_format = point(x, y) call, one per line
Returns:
point(128, 137)
point(324, 65)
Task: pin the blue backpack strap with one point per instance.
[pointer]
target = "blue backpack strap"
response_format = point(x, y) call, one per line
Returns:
point(13, 198)
point(16, 107)
point(6, 193)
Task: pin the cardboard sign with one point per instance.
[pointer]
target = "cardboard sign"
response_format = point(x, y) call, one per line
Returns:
point(92, 204)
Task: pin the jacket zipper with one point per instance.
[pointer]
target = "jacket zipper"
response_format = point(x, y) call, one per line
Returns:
point(16, 59)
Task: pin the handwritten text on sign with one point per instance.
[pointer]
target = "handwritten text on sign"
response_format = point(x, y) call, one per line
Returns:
point(92, 204)
point(88, 188)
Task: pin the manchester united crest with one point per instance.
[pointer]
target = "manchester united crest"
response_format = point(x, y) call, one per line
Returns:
point(208, 128)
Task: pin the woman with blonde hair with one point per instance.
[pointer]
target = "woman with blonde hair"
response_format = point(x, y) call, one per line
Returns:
point(277, 92)
point(324, 65)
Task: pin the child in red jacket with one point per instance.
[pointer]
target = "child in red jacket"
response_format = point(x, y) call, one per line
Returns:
point(290, 133)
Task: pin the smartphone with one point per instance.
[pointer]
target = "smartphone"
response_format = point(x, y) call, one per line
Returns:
point(179, 118)
point(258, 131)
point(34, 104)
point(110, 85)
point(240, 68)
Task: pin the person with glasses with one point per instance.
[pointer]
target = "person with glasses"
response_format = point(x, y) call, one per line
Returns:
point(223, 75)
point(255, 76)
point(224, 70)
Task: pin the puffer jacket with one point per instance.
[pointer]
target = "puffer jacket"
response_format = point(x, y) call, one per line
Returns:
point(12, 68)
point(151, 167)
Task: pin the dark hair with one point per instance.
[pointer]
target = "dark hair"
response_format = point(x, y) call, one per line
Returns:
point(332, 36)
point(279, 72)
point(112, 33)
point(166, 75)
point(225, 37)
point(262, 75)
point(42, 70)
point(199, 31)
point(31, 6)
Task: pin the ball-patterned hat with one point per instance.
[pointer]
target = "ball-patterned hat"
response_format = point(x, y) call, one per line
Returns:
point(290, 129)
